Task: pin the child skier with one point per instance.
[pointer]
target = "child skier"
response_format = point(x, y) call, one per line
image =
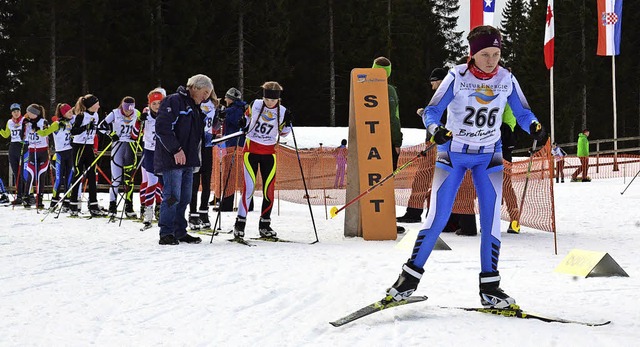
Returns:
point(84, 133)
point(38, 162)
point(153, 189)
point(119, 125)
point(475, 95)
point(265, 121)
point(199, 218)
point(15, 130)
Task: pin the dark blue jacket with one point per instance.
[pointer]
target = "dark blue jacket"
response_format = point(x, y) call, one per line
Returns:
point(179, 125)
point(234, 112)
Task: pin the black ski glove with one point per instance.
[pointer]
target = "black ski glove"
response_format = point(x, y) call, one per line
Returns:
point(242, 122)
point(91, 126)
point(143, 116)
point(114, 137)
point(441, 136)
point(288, 118)
point(537, 131)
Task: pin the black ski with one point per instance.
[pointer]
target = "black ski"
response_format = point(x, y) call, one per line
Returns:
point(376, 307)
point(516, 312)
point(206, 231)
point(241, 241)
point(272, 239)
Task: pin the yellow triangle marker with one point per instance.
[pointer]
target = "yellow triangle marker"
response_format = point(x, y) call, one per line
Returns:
point(409, 240)
point(590, 264)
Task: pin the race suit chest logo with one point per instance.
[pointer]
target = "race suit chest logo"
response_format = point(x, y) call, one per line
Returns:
point(481, 121)
point(263, 126)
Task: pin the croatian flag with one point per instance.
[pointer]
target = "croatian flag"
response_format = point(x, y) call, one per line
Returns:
point(549, 36)
point(481, 12)
point(609, 26)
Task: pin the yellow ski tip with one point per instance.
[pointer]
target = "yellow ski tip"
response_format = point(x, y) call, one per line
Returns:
point(333, 212)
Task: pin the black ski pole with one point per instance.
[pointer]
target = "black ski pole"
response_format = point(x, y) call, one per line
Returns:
point(224, 190)
point(84, 173)
point(304, 183)
point(634, 177)
point(129, 189)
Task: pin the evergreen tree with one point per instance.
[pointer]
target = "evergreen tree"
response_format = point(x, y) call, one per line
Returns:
point(514, 29)
point(445, 11)
point(11, 64)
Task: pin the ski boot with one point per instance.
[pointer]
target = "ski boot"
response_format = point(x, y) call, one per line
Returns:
point(411, 216)
point(128, 210)
point(194, 221)
point(4, 199)
point(406, 284)
point(54, 203)
point(65, 206)
point(265, 230)
point(238, 227)
point(147, 217)
point(17, 200)
point(491, 296)
point(113, 209)
point(204, 219)
point(73, 210)
point(28, 200)
point(96, 211)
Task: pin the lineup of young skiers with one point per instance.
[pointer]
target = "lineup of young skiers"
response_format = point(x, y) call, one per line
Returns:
point(132, 139)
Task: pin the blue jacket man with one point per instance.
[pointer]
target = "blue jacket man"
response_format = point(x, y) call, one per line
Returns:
point(179, 128)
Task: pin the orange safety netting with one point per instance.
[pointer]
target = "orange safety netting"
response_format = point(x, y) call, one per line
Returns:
point(412, 184)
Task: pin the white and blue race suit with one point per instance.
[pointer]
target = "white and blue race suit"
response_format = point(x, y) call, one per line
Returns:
point(474, 115)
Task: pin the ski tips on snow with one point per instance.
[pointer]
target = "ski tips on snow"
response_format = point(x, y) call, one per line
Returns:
point(377, 306)
point(512, 311)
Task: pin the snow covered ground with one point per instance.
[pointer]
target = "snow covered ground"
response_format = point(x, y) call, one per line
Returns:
point(78, 282)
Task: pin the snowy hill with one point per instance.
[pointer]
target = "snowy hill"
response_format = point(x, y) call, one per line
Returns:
point(79, 282)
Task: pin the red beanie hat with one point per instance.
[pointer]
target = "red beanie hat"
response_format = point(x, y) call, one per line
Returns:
point(64, 109)
point(155, 96)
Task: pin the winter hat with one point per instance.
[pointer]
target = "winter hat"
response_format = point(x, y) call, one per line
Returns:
point(233, 94)
point(484, 40)
point(34, 110)
point(155, 95)
point(438, 74)
point(128, 104)
point(89, 101)
point(382, 63)
point(64, 108)
point(15, 106)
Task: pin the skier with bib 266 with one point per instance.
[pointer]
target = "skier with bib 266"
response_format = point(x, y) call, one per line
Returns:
point(475, 95)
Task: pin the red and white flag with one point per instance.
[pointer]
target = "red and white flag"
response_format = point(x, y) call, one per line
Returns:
point(549, 36)
point(476, 15)
point(481, 12)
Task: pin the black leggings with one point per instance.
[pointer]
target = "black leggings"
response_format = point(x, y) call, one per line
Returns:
point(204, 176)
point(64, 172)
point(83, 158)
point(16, 152)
